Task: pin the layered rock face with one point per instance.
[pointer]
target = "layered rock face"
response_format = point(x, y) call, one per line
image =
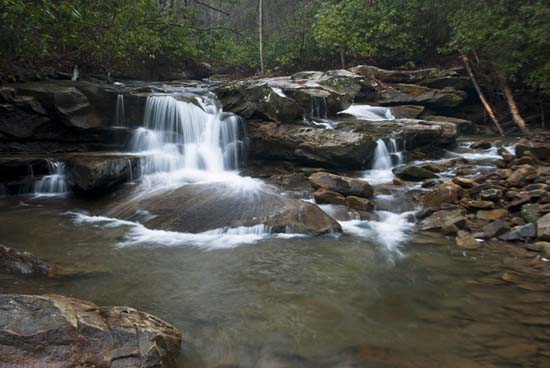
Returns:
point(297, 118)
point(57, 331)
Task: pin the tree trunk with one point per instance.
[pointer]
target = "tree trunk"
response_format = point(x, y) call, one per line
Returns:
point(342, 58)
point(513, 107)
point(481, 95)
point(261, 35)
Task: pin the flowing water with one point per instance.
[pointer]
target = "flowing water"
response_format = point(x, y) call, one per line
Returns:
point(370, 113)
point(120, 111)
point(376, 296)
point(53, 184)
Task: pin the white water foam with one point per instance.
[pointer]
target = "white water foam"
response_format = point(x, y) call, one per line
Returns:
point(368, 112)
point(210, 240)
point(53, 184)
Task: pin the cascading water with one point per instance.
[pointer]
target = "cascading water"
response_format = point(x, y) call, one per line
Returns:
point(181, 137)
point(53, 184)
point(386, 156)
point(370, 113)
point(120, 112)
point(318, 115)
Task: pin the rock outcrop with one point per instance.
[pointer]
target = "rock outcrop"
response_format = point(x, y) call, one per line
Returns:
point(201, 207)
point(58, 331)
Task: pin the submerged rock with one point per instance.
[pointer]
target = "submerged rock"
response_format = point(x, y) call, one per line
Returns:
point(58, 331)
point(197, 208)
point(22, 263)
point(520, 233)
point(466, 241)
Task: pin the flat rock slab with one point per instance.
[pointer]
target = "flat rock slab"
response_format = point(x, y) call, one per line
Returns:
point(56, 331)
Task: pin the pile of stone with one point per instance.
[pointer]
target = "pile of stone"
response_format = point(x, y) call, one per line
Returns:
point(345, 191)
point(510, 203)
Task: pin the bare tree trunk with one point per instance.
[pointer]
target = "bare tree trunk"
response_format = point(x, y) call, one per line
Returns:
point(261, 35)
point(481, 95)
point(514, 107)
point(342, 58)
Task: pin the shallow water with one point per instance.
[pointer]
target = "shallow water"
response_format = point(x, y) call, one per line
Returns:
point(315, 302)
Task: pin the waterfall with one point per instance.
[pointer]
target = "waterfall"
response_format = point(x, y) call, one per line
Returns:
point(76, 73)
point(53, 184)
point(120, 112)
point(370, 113)
point(180, 135)
point(386, 156)
point(318, 108)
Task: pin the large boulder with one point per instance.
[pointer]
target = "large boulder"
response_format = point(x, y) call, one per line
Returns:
point(22, 263)
point(197, 208)
point(93, 174)
point(538, 149)
point(341, 184)
point(58, 331)
point(310, 146)
point(445, 193)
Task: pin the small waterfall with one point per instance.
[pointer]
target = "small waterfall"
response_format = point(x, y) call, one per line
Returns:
point(319, 108)
point(386, 156)
point(120, 112)
point(53, 184)
point(181, 135)
point(76, 73)
point(370, 113)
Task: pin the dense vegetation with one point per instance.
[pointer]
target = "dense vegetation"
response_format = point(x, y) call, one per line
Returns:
point(508, 39)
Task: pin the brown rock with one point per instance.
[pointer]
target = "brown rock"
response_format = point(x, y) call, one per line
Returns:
point(399, 182)
point(491, 195)
point(543, 228)
point(492, 215)
point(466, 241)
point(341, 184)
point(545, 248)
point(445, 193)
point(481, 145)
point(482, 205)
point(464, 182)
point(521, 176)
point(58, 331)
point(359, 204)
point(324, 196)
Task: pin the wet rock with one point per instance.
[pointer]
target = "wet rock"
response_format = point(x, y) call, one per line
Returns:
point(58, 331)
point(97, 173)
point(464, 182)
point(359, 204)
point(324, 196)
point(399, 182)
point(491, 195)
point(197, 208)
point(310, 146)
point(466, 241)
point(22, 263)
point(413, 173)
point(517, 204)
point(494, 229)
point(521, 176)
point(520, 233)
point(341, 184)
point(491, 215)
point(481, 145)
point(530, 212)
point(480, 205)
point(449, 221)
point(433, 167)
point(445, 193)
point(538, 150)
point(410, 94)
point(543, 228)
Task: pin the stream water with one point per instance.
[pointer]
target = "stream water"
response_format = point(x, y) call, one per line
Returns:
point(376, 296)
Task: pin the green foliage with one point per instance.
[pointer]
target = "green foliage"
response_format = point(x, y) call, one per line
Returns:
point(512, 36)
